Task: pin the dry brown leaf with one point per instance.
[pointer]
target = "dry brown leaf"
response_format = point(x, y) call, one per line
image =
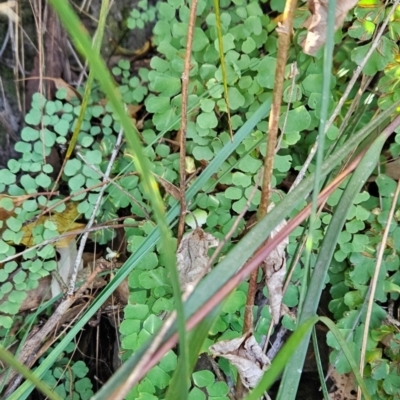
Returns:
point(72, 93)
point(169, 187)
point(345, 386)
point(177, 141)
point(246, 355)
point(122, 292)
point(275, 271)
point(13, 201)
point(192, 256)
point(392, 169)
point(317, 23)
point(64, 222)
point(133, 109)
point(66, 246)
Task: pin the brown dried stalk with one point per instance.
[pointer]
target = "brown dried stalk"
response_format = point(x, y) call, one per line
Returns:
point(184, 118)
point(284, 37)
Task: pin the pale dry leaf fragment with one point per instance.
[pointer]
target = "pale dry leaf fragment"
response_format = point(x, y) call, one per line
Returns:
point(71, 93)
point(345, 386)
point(7, 9)
point(317, 23)
point(275, 271)
point(65, 265)
point(190, 166)
point(192, 256)
point(246, 355)
point(392, 169)
point(169, 187)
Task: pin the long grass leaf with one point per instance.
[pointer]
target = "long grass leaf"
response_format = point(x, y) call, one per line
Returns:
point(326, 92)
point(22, 369)
point(98, 39)
point(223, 65)
point(291, 376)
point(196, 340)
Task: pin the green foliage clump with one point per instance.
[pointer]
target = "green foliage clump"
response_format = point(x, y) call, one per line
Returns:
point(68, 378)
point(140, 16)
point(29, 175)
point(350, 276)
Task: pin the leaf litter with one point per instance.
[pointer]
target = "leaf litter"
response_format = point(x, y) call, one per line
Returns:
point(192, 256)
point(246, 355)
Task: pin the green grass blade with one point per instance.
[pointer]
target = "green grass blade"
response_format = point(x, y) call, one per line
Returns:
point(223, 65)
point(11, 360)
point(291, 377)
point(319, 364)
point(196, 340)
point(326, 91)
point(88, 87)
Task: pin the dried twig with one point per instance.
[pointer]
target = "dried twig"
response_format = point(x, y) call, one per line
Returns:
point(184, 118)
point(284, 37)
point(74, 273)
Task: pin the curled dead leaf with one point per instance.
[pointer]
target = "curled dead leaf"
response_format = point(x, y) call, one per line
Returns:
point(275, 272)
point(392, 169)
point(317, 23)
point(246, 355)
point(192, 256)
point(169, 187)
